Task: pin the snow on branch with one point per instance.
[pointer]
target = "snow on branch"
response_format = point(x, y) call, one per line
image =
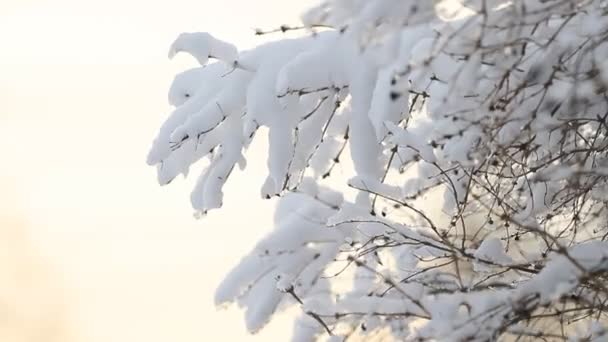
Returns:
point(442, 167)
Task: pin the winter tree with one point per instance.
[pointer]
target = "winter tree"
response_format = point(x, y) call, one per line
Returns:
point(472, 139)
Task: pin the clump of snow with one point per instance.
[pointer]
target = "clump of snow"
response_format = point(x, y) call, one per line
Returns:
point(202, 46)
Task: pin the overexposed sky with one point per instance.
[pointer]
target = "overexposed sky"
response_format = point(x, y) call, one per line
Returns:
point(82, 93)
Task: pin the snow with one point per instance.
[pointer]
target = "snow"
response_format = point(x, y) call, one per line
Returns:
point(202, 46)
point(446, 167)
point(563, 273)
point(491, 250)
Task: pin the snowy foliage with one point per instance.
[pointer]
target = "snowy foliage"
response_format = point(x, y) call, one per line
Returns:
point(442, 167)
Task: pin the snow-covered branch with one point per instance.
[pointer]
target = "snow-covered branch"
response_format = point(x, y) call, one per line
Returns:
point(472, 139)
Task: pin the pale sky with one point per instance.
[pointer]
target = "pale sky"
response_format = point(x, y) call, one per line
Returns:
point(82, 93)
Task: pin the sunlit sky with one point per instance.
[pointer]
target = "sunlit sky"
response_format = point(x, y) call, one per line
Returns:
point(82, 93)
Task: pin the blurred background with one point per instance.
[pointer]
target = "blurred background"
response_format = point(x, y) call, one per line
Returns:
point(91, 248)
